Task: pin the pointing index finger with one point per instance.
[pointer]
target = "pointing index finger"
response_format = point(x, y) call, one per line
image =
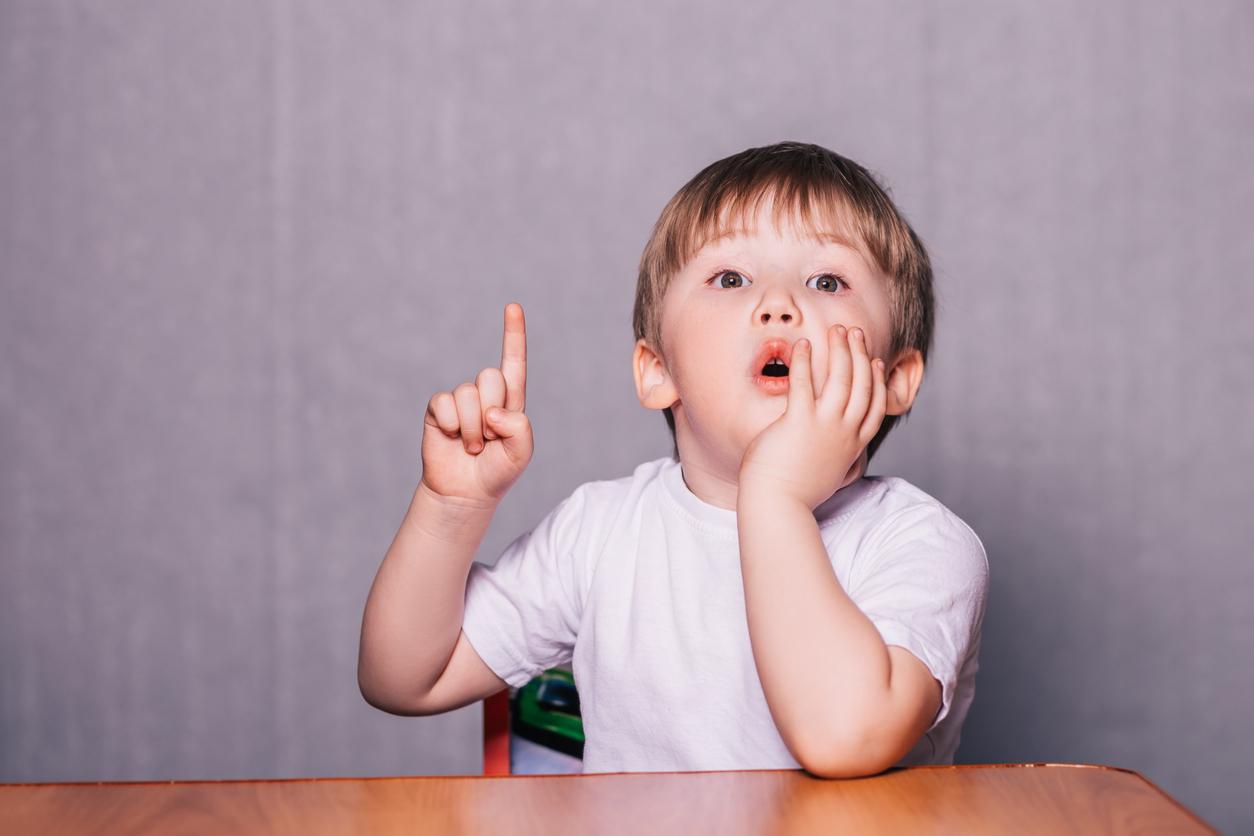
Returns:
point(514, 358)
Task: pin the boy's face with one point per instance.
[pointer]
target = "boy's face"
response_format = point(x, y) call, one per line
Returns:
point(732, 297)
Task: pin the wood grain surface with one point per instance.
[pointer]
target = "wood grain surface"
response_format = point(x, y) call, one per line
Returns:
point(1010, 798)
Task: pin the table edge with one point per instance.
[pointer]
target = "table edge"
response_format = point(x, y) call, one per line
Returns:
point(580, 775)
point(546, 775)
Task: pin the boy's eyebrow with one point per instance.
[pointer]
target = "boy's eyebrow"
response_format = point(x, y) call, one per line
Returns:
point(826, 237)
point(823, 236)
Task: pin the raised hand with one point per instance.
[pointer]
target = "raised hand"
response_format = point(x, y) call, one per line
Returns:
point(476, 440)
point(807, 452)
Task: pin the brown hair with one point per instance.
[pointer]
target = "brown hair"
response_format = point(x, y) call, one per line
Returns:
point(802, 177)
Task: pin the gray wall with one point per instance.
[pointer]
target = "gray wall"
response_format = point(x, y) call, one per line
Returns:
point(244, 243)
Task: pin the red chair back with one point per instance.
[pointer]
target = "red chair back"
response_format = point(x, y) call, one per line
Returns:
point(496, 733)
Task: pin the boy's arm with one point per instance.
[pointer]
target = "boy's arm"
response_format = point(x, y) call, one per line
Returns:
point(412, 658)
point(844, 702)
point(410, 631)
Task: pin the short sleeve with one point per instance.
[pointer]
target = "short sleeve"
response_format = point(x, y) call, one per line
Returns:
point(522, 614)
point(924, 588)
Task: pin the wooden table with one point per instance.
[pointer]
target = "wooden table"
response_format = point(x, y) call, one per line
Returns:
point(1011, 798)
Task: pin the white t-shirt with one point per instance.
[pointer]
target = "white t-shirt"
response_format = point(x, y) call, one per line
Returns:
point(636, 582)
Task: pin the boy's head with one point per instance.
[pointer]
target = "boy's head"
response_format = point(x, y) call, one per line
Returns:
point(779, 242)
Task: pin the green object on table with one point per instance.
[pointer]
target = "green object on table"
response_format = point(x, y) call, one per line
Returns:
point(546, 711)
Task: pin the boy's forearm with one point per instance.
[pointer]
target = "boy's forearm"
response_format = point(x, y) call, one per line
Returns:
point(823, 665)
point(414, 610)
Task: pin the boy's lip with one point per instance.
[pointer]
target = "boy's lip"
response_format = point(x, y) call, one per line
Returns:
point(773, 347)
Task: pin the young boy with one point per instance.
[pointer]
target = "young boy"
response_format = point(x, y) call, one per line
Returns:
point(756, 601)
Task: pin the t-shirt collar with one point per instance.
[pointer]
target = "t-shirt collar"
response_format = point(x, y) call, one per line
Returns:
point(724, 519)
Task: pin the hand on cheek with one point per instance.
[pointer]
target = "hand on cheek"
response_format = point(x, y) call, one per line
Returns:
point(807, 453)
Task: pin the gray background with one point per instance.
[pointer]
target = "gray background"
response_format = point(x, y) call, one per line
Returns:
point(243, 244)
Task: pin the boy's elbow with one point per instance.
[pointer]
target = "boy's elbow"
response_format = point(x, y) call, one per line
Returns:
point(391, 703)
point(846, 768)
point(844, 758)
point(388, 699)
point(372, 693)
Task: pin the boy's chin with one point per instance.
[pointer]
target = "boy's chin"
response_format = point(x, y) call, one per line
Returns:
point(734, 440)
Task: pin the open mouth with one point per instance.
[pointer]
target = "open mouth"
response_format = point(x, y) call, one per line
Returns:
point(775, 368)
point(769, 366)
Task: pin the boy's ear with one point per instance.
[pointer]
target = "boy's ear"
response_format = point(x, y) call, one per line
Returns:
point(903, 381)
point(654, 386)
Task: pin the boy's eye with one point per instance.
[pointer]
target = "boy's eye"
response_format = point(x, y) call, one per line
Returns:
point(732, 275)
point(826, 282)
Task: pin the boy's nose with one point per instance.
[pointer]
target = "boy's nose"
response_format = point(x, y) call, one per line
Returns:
point(777, 305)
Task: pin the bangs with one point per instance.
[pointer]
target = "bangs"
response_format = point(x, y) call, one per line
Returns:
point(808, 209)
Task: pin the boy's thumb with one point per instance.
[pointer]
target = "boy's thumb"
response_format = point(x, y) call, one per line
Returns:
point(514, 428)
point(504, 422)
